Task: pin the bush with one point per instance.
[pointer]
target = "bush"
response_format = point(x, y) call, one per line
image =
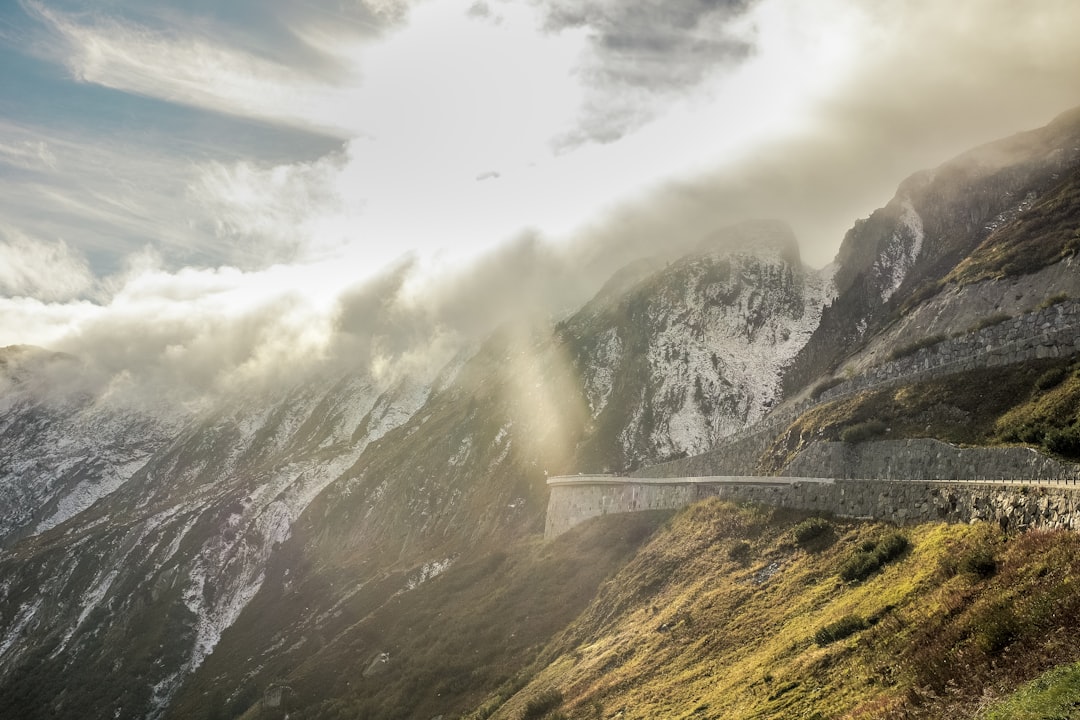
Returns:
point(739, 552)
point(891, 547)
point(871, 556)
point(1051, 378)
point(1063, 441)
point(542, 704)
point(1054, 300)
point(996, 628)
point(862, 432)
point(859, 566)
point(989, 320)
point(842, 628)
point(980, 561)
point(914, 347)
point(809, 530)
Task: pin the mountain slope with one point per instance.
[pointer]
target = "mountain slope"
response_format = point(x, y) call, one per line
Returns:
point(221, 561)
point(688, 355)
point(967, 220)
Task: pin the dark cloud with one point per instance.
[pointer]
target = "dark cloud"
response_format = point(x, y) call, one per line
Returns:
point(642, 53)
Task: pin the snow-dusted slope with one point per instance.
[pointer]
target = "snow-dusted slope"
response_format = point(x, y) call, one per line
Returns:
point(188, 537)
point(698, 350)
point(62, 452)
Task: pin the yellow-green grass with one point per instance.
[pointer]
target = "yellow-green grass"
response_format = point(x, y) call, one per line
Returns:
point(715, 638)
point(1054, 695)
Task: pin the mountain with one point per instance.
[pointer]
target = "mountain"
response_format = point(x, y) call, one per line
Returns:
point(352, 547)
point(984, 233)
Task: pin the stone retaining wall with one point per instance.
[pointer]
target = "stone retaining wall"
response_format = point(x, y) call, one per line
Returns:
point(1011, 505)
point(1050, 332)
point(927, 459)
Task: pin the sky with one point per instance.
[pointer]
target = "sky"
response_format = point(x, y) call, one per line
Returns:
point(196, 192)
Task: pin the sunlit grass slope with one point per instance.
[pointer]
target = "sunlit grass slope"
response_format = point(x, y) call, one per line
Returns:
point(744, 613)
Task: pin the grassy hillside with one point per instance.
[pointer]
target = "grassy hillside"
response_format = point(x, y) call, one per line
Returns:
point(746, 613)
point(1045, 233)
point(1034, 403)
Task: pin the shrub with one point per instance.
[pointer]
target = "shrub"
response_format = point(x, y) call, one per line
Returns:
point(863, 431)
point(891, 547)
point(980, 561)
point(811, 529)
point(739, 552)
point(871, 556)
point(859, 566)
point(542, 704)
point(995, 629)
point(914, 347)
point(1063, 441)
point(989, 320)
point(1051, 378)
point(842, 628)
point(1054, 300)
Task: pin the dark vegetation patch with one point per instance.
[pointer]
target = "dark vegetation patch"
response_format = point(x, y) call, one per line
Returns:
point(813, 533)
point(842, 628)
point(542, 704)
point(1034, 403)
point(1047, 415)
point(872, 556)
point(1055, 299)
point(861, 432)
point(989, 321)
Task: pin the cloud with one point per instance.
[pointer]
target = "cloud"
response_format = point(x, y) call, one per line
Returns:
point(212, 68)
point(265, 213)
point(874, 106)
point(642, 54)
point(849, 103)
point(49, 271)
point(28, 155)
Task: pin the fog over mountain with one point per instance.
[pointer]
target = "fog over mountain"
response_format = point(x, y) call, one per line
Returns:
point(306, 189)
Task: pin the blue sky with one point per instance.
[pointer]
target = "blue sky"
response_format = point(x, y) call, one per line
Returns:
point(174, 170)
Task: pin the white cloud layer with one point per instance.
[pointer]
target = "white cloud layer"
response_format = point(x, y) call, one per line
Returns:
point(830, 106)
point(49, 271)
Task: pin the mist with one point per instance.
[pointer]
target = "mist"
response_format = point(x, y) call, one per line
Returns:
point(916, 83)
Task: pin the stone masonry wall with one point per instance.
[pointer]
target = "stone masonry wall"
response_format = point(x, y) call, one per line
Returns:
point(926, 459)
point(1011, 505)
point(1049, 332)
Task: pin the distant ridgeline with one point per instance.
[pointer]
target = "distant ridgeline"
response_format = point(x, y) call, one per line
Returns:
point(895, 480)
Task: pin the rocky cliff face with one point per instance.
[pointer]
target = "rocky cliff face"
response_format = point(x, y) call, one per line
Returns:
point(905, 254)
point(694, 352)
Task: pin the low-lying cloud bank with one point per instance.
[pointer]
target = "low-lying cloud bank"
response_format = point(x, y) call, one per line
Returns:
point(929, 80)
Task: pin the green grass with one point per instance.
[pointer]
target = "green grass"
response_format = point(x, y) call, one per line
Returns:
point(1053, 696)
point(1048, 414)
